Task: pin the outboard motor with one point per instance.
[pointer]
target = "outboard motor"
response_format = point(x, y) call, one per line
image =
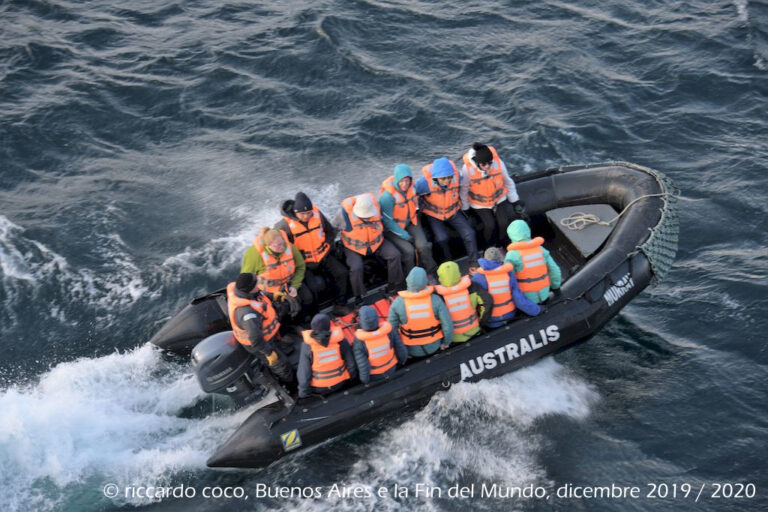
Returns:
point(223, 366)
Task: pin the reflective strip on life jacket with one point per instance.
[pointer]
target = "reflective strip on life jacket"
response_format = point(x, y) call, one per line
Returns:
point(309, 238)
point(421, 327)
point(365, 233)
point(278, 270)
point(328, 366)
point(485, 189)
point(441, 203)
point(381, 355)
point(263, 307)
point(459, 305)
point(498, 287)
point(534, 276)
point(405, 206)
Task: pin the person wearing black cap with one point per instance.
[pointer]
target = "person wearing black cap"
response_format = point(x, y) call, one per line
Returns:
point(309, 230)
point(488, 191)
point(326, 362)
point(255, 324)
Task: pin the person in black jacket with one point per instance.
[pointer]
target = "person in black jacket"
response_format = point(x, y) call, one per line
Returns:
point(309, 230)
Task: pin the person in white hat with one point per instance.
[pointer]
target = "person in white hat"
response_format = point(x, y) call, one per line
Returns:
point(362, 234)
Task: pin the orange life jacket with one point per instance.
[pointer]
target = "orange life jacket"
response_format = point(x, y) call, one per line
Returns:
point(328, 367)
point(279, 269)
point(498, 287)
point(405, 205)
point(485, 189)
point(365, 233)
point(309, 238)
point(534, 275)
point(441, 203)
point(421, 327)
point(381, 355)
point(263, 306)
point(459, 304)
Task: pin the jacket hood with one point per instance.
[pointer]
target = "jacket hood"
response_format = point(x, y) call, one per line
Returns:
point(369, 319)
point(519, 231)
point(402, 171)
point(321, 328)
point(416, 280)
point(449, 274)
point(286, 209)
point(489, 264)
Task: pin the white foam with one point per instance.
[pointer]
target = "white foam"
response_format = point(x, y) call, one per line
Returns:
point(483, 431)
point(26, 265)
point(741, 9)
point(218, 254)
point(107, 419)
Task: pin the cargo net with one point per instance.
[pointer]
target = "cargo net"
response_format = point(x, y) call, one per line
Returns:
point(661, 246)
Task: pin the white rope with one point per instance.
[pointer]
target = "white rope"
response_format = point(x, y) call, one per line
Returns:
point(579, 220)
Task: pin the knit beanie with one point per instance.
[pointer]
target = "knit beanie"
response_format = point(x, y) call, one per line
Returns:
point(245, 282)
point(493, 254)
point(301, 203)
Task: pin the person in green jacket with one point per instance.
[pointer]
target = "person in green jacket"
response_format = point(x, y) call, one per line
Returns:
point(296, 294)
point(449, 275)
point(520, 235)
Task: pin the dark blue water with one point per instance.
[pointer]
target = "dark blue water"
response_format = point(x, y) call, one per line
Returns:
point(143, 143)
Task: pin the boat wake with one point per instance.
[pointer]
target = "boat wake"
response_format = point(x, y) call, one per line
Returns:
point(109, 419)
point(483, 431)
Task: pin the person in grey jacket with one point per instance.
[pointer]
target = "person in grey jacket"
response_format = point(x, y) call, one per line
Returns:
point(321, 332)
point(369, 322)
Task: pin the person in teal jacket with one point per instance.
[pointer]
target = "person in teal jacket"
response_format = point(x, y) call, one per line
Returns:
point(519, 233)
point(417, 281)
point(399, 229)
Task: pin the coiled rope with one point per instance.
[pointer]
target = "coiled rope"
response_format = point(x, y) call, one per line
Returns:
point(579, 220)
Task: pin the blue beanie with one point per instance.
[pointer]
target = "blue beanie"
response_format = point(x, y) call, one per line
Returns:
point(442, 168)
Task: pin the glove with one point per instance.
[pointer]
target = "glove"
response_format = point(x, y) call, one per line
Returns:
point(272, 358)
point(294, 306)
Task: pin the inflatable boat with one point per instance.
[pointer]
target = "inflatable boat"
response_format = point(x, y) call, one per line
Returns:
point(611, 227)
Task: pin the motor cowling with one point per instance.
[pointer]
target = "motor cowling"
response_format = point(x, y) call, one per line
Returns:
point(223, 366)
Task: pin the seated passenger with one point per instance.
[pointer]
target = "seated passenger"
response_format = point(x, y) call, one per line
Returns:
point(362, 234)
point(377, 347)
point(469, 304)
point(312, 234)
point(488, 191)
point(279, 268)
point(255, 324)
point(421, 317)
point(326, 363)
point(399, 212)
point(499, 279)
point(439, 191)
point(535, 269)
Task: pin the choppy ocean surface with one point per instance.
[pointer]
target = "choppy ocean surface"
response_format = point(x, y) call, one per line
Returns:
point(143, 143)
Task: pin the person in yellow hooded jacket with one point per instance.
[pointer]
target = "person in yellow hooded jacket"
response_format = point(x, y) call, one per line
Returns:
point(468, 303)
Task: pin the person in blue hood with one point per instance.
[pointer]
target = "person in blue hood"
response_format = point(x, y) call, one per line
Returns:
point(499, 279)
point(399, 212)
point(377, 347)
point(432, 322)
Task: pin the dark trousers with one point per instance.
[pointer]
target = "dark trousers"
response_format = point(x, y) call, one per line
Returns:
point(388, 252)
point(495, 222)
point(328, 266)
point(408, 250)
point(460, 223)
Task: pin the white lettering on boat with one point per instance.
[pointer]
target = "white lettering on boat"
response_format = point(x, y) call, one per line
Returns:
point(618, 290)
point(509, 352)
